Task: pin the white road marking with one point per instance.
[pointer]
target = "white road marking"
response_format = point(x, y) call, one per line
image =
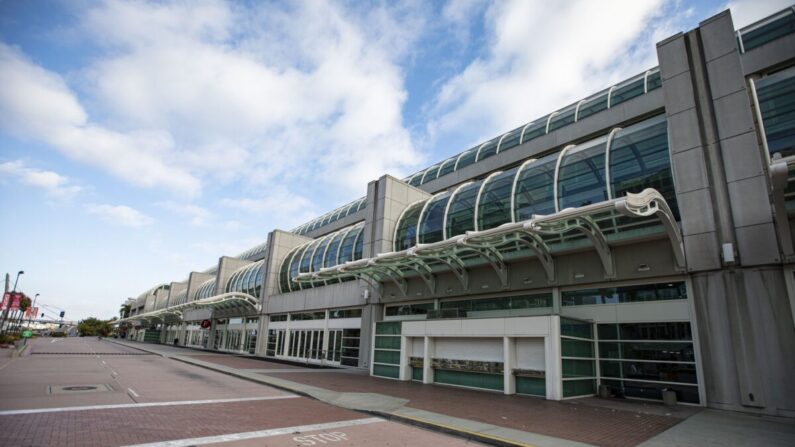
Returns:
point(259, 434)
point(141, 405)
point(132, 391)
point(103, 362)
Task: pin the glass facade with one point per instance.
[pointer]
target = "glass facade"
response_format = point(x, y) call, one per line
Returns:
point(578, 362)
point(247, 279)
point(624, 161)
point(642, 360)
point(627, 294)
point(333, 249)
point(768, 30)
point(624, 91)
point(776, 96)
point(205, 290)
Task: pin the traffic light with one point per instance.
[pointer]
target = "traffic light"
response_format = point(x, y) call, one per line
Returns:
point(42, 315)
point(63, 312)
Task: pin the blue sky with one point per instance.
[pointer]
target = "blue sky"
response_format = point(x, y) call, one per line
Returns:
point(142, 140)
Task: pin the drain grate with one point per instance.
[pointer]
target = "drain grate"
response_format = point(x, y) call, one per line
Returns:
point(91, 353)
point(79, 389)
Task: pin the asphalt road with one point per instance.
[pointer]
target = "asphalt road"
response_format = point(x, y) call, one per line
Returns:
point(86, 392)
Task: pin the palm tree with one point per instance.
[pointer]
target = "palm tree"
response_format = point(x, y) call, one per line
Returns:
point(125, 310)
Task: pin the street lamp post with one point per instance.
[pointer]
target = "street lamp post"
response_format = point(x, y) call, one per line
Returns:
point(32, 308)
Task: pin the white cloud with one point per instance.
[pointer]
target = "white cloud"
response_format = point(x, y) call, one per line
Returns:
point(542, 56)
point(284, 208)
point(120, 214)
point(37, 104)
point(54, 184)
point(745, 12)
point(247, 94)
point(197, 216)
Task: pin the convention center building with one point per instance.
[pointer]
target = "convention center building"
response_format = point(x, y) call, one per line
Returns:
point(635, 243)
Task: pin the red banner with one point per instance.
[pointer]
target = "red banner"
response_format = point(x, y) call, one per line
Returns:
point(6, 300)
point(31, 312)
point(15, 299)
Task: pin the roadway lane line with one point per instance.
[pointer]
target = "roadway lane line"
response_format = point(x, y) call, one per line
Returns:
point(141, 405)
point(132, 391)
point(259, 434)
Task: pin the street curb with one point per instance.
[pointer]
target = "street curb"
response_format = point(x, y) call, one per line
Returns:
point(19, 352)
point(417, 422)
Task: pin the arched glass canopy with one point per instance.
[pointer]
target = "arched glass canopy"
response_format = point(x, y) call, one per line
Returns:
point(247, 279)
point(624, 161)
point(180, 297)
point(336, 248)
point(334, 215)
point(205, 290)
point(611, 97)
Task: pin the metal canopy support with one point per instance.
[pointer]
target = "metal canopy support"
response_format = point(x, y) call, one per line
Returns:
point(648, 203)
point(492, 256)
point(456, 266)
point(539, 247)
point(587, 227)
point(425, 273)
point(392, 273)
point(370, 279)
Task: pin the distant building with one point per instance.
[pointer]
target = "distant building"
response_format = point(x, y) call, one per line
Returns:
point(640, 239)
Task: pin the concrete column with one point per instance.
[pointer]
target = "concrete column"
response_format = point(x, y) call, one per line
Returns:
point(427, 356)
point(508, 364)
point(552, 362)
point(405, 358)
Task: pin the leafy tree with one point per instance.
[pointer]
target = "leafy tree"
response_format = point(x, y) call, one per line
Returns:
point(94, 326)
point(124, 311)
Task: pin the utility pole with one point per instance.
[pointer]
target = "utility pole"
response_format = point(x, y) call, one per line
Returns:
point(8, 304)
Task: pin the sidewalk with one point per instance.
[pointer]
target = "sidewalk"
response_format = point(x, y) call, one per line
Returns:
point(485, 416)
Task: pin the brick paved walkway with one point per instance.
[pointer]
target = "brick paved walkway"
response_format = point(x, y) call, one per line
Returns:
point(598, 425)
point(139, 425)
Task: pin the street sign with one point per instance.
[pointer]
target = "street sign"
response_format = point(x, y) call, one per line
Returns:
point(27, 334)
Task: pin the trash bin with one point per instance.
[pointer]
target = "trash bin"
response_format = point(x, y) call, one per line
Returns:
point(669, 397)
point(604, 391)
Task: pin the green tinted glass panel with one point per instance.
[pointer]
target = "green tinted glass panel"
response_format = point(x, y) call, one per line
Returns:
point(416, 374)
point(628, 294)
point(406, 234)
point(447, 167)
point(306, 257)
point(358, 246)
point(656, 371)
point(581, 180)
point(769, 32)
point(386, 371)
point(627, 91)
point(658, 351)
point(391, 357)
point(488, 149)
point(430, 174)
point(466, 159)
point(494, 208)
point(461, 212)
point(576, 348)
point(591, 106)
point(654, 80)
point(347, 246)
point(388, 328)
point(640, 159)
point(564, 118)
point(650, 390)
point(510, 141)
point(469, 379)
point(317, 259)
point(655, 331)
point(535, 188)
point(573, 388)
point(431, 227)
point(531, 385)
point(535, 130)
point(776, 94)
point(576, 328)
point(284, 273)
point(416, 179)
point(330, 259)
point(387, 342)
point(578, 368)
point(408, 309)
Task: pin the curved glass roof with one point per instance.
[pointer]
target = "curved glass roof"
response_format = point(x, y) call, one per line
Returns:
point(333, 216)
point(610, 97)
point(247, 279)
point(205, 290)
point(154, 290)
point(623, 161)
point(180, 297)
point(254, 253)
point(339, 247)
